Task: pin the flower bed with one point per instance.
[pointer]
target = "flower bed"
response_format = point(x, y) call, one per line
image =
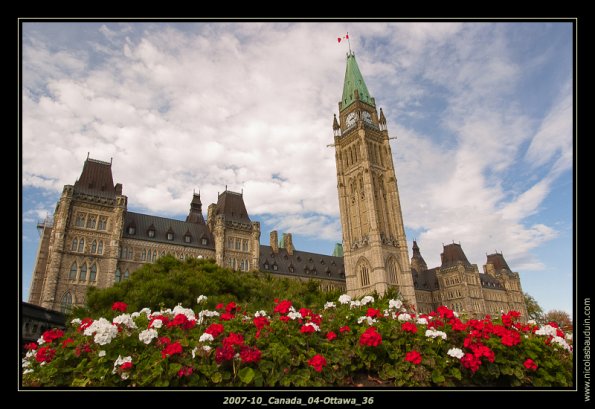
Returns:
point(291, 346)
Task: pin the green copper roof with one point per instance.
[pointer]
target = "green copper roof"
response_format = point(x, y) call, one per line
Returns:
point(338, 251)
point(354, 81)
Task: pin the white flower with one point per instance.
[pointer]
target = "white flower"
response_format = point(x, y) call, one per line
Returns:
point(25, 363)
point(124, 375)
point(206, 348)
point(101, 353)
point(104, 331)
point(76, 321)
point(316, 327)
point(404, 317)
point(29, 354)
point(237, 356)
point(294, 315)
point(157, 324)
point(125, 319)
point(135, 314)
point(356, 303)
point(329, 304)
point(456, 353)
point(367, 300)
point(40, 341)
point(261, 313)
point(194, 352)
point(206, 313)
point(26, 371)
point(206, 338)
point(369, 320)
point(189, 313)
point(526, 336)
point(531, 322)
point(546, 330)
point(430, 333)
point(146, 311)
point(148, 335)
point(201, 298)
point(121, 361)
point(456, 314)
point(562, 342)
point(569, 336)
point(422, 321)
point(43, 363)
point(395, 304)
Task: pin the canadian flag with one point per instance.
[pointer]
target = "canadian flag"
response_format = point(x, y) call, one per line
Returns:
point(345, 37)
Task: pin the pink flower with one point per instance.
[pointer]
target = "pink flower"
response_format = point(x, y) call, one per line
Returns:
point(414, 357)
point(119, 306)
point(317, 362)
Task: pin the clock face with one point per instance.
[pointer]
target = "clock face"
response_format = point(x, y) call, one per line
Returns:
point(351, 118)
point(366, 116)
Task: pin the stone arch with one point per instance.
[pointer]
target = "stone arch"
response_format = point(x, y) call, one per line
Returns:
point(363, 270)
point(393, 269)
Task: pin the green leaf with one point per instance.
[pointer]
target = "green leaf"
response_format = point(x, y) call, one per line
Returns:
point(437, 377)
point(456, 373)
point(216, 377)
point(246, 375)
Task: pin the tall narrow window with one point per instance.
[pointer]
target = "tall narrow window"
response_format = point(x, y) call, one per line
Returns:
point(143, 255)
point(364, 276)
point(94, 247)
point(102, 223)
point(93, 273)
point(118, 276)
point(130, 253)
point(170, 236)
point(81, 245)
point(242, 265)
point(91, 220)
point(80, 220)
point(66, 303)
point(154, 255)
point(245, 245)
point(100, 247)
point(230, 243)
point(126, 275)
point(151, 233)
point(238, 244)
point(83, 273)
point(119, 252)
point(73, 270)
point(74, 244)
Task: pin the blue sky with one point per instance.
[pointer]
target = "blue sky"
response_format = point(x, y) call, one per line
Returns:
point(482, 113)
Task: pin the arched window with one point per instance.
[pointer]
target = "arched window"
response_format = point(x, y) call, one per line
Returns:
point(80, 220)
point(66, 303)
point(247, 264)
point(102, 223)
point(392, 271)
point(74, 244)
point(100, 247)
point(83, 273)
point(91, 222)
point(93, 273)
point(81, 245)
point(94, 247)
point(130, 253)
point(364, 275)
point(126, 275)
point(143, 255)
point(73, 270)
point(154, 255)
point(118, 276)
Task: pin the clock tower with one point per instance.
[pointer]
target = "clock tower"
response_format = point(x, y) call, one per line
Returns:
point(374, 243)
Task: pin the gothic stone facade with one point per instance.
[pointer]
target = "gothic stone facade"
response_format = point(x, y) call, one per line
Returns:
point(95, 241)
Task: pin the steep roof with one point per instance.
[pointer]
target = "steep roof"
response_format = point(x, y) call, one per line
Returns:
point(162, 225)
point(417, 261)
point(231, 205)
point(497, 260)
point(303, 264)
point(195, 213)
point(96, 179)
point(487, 281)
point(453, 254)
point(425, 280)
point(354, 81)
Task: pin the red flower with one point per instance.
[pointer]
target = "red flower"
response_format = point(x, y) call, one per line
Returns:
point(261, 322)
point(331, 335)
point(163, 341)
point(219, 306)
point(185, 371)
point(248, 354)
point(470, 361)
point(445, 312)
point(230, 307)
point(344, 329)
point(530, 364)
point(84, 324)
point(181, 320)
point(373, 313)
point(370, 337)
point(171, 349)
point(30, 346)
point(224, 353)
point(233, 339)
point(215, 330)
point(317, 362)
point(66, 342)
point(126, 366)
point(307, 329)
point(511, 338)
point(276, 301)
point(283, 307)
point(45, 354)
point(284, 318)
point(414, 357)
point(119, 306)
point(80, 349)
point(226, 316)
point(164, 320)
point(409, 327)
point(52, 334)
point(459, 326)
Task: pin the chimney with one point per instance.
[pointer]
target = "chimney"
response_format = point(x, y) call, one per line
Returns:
point(274, 244)
point(288, 243)
point(118, 188)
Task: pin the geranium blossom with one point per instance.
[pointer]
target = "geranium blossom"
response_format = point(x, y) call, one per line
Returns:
point(422, 321)
point(76, 321)
point(125, 319)
point(395, 304)
point(309, 328)
point(317, 362)
point(201, 299)
point(188, 312)
point(148, 335)
point(456, 353)
point(430, 333)
point(414, 357)
point(52, 334)
point(369, 320)
point(233, 339)
point(104, 331)
point(119, 306)
point(344, 329)
point(206, 338)
point(354, 304)
point(45, 354)
point(171, 349)
point(248, 354)
point(329, 304)
point(344, 299)
point(404, 317)
point(370, 337)
point(331, 335)
point(367, 300)
point(215, 330)
point(283, 307)
point(409, 327)
point(530, 364)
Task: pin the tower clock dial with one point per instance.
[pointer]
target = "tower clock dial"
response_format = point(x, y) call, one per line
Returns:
point(351, 119)
point(367, 117)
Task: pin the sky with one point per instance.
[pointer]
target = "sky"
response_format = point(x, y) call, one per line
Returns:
point(482, 113)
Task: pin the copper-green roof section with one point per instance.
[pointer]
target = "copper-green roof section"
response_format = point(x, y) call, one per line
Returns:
point(354, 81)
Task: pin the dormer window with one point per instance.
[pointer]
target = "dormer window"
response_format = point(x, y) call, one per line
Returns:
point(187, 238)
point(151, 233)
point(131, 230)
point(266, 266)
point(204, 242)
point(275, 268)
point(170, 236)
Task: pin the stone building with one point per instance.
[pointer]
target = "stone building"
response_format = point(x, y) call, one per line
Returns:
point(94, 241)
